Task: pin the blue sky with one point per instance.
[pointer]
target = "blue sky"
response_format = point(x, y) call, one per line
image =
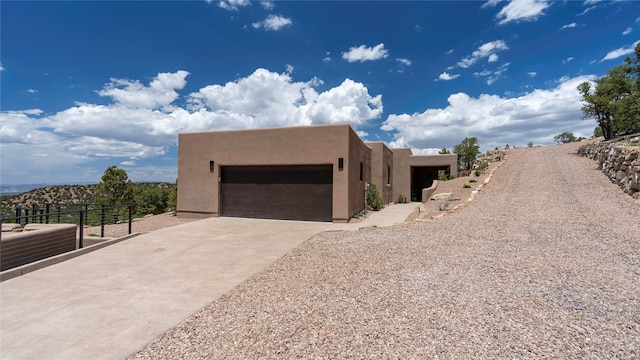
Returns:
point(86, 85)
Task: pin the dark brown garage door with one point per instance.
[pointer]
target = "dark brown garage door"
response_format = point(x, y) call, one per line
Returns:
point(303, 192)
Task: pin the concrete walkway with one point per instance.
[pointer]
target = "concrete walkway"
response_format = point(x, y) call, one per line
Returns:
point(109, 303)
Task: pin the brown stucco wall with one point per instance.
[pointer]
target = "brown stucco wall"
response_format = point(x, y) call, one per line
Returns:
point(199, 189)
point(358, 153)
point(401, 173)
point(381, 166)
point(450, 160)
point(404, 160)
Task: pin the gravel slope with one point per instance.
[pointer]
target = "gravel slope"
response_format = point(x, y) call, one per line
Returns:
point(544, 263)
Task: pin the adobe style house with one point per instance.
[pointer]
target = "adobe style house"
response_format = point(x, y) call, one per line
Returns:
point(316, 173)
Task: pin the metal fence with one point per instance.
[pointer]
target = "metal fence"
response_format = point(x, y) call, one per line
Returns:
point(79, 214)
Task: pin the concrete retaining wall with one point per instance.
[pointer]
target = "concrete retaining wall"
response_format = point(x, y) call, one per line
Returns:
point(19, 248)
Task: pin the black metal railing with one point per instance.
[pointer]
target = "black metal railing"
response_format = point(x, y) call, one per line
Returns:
point(79, 214)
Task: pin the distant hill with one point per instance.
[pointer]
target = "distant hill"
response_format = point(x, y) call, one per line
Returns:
point(60, 195)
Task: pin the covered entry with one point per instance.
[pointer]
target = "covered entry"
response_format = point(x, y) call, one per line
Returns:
point(422, 177)
point(287, 192)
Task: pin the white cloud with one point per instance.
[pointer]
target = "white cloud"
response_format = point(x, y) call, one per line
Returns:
point(485, 50)
point(567, 60)
point(532, 74)
point(134, 127)
point(273, 23)
point(585, 11)
point(445, 76)
point(490, 3)
point(569, 26)
point(363, 53)
point(627, 31)
point(406, 62)
point(267, 5)
point(536, 116)
point(1, 67)
point(620, 52)
point(492, 58)
point(522, 10)
point(233, 4)
point(32, 91)
point(160, 92)
point(493, 75)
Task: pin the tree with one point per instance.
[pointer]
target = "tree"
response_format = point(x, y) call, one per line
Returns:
point(614, 101)
point(115, 187)
point(468, 150)
point(597, 132)
point(564, 138)
point(530, 144)
point(172, 201)
point(444, 151)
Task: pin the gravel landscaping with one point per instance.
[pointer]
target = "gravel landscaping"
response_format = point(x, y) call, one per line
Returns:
point(543, 263)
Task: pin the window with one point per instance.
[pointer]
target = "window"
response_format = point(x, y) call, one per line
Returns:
point(389, 175)
point(361, 171)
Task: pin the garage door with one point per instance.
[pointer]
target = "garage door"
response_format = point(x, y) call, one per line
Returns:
point(303, 192)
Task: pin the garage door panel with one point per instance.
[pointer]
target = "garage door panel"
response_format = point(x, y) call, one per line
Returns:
point(246, 192)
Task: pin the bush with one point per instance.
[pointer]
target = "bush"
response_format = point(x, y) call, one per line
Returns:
point(374, 200)
point(401, 200)
point(451, 177)
point(466, 186)
point(472, 180)
point(443, 177)
point(478, 172)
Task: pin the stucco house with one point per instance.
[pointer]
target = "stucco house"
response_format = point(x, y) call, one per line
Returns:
point(316, 173)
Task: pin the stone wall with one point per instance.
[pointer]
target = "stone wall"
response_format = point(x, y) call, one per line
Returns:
point(619, 160)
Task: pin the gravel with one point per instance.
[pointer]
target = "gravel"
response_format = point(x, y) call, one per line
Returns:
point(543, 263)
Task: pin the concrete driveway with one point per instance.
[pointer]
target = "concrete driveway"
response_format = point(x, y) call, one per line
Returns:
point(109, 303)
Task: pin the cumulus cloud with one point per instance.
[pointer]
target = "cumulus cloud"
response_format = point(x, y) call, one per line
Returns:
point(522, 10)
point(160, 92)
point(143, 120)
point(620, 52)
point(445, 76)
point(569, 26)
point(495, 120)
point(406, 62)
point(363, 53)
point(233, 4)
point(485, 50)
point(273, 23)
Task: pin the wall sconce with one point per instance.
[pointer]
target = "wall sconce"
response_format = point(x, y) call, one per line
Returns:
point(340, 164)
point(211, 163)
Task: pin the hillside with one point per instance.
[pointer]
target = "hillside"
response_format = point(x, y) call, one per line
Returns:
point(67, 195)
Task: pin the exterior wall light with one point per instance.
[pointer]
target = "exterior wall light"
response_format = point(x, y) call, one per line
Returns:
point(211, 167)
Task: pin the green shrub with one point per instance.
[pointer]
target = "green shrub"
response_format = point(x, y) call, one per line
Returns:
point(443, 177)
point(401, 199)
point(478, 172)
point(466, 186)
point(374, 200)
point(451, 177)
point(472, 180)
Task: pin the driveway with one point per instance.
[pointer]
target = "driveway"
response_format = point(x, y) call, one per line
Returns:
point(111, 302)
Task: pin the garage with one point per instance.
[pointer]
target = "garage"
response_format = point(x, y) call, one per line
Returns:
point(286, 192)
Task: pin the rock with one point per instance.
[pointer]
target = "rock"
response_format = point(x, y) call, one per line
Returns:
point(620, 162)
point(441, 196)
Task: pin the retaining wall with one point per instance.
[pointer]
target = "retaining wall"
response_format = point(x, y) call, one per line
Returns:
point(619, 160)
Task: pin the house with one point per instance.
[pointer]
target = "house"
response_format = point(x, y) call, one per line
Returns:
point(315, 173)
